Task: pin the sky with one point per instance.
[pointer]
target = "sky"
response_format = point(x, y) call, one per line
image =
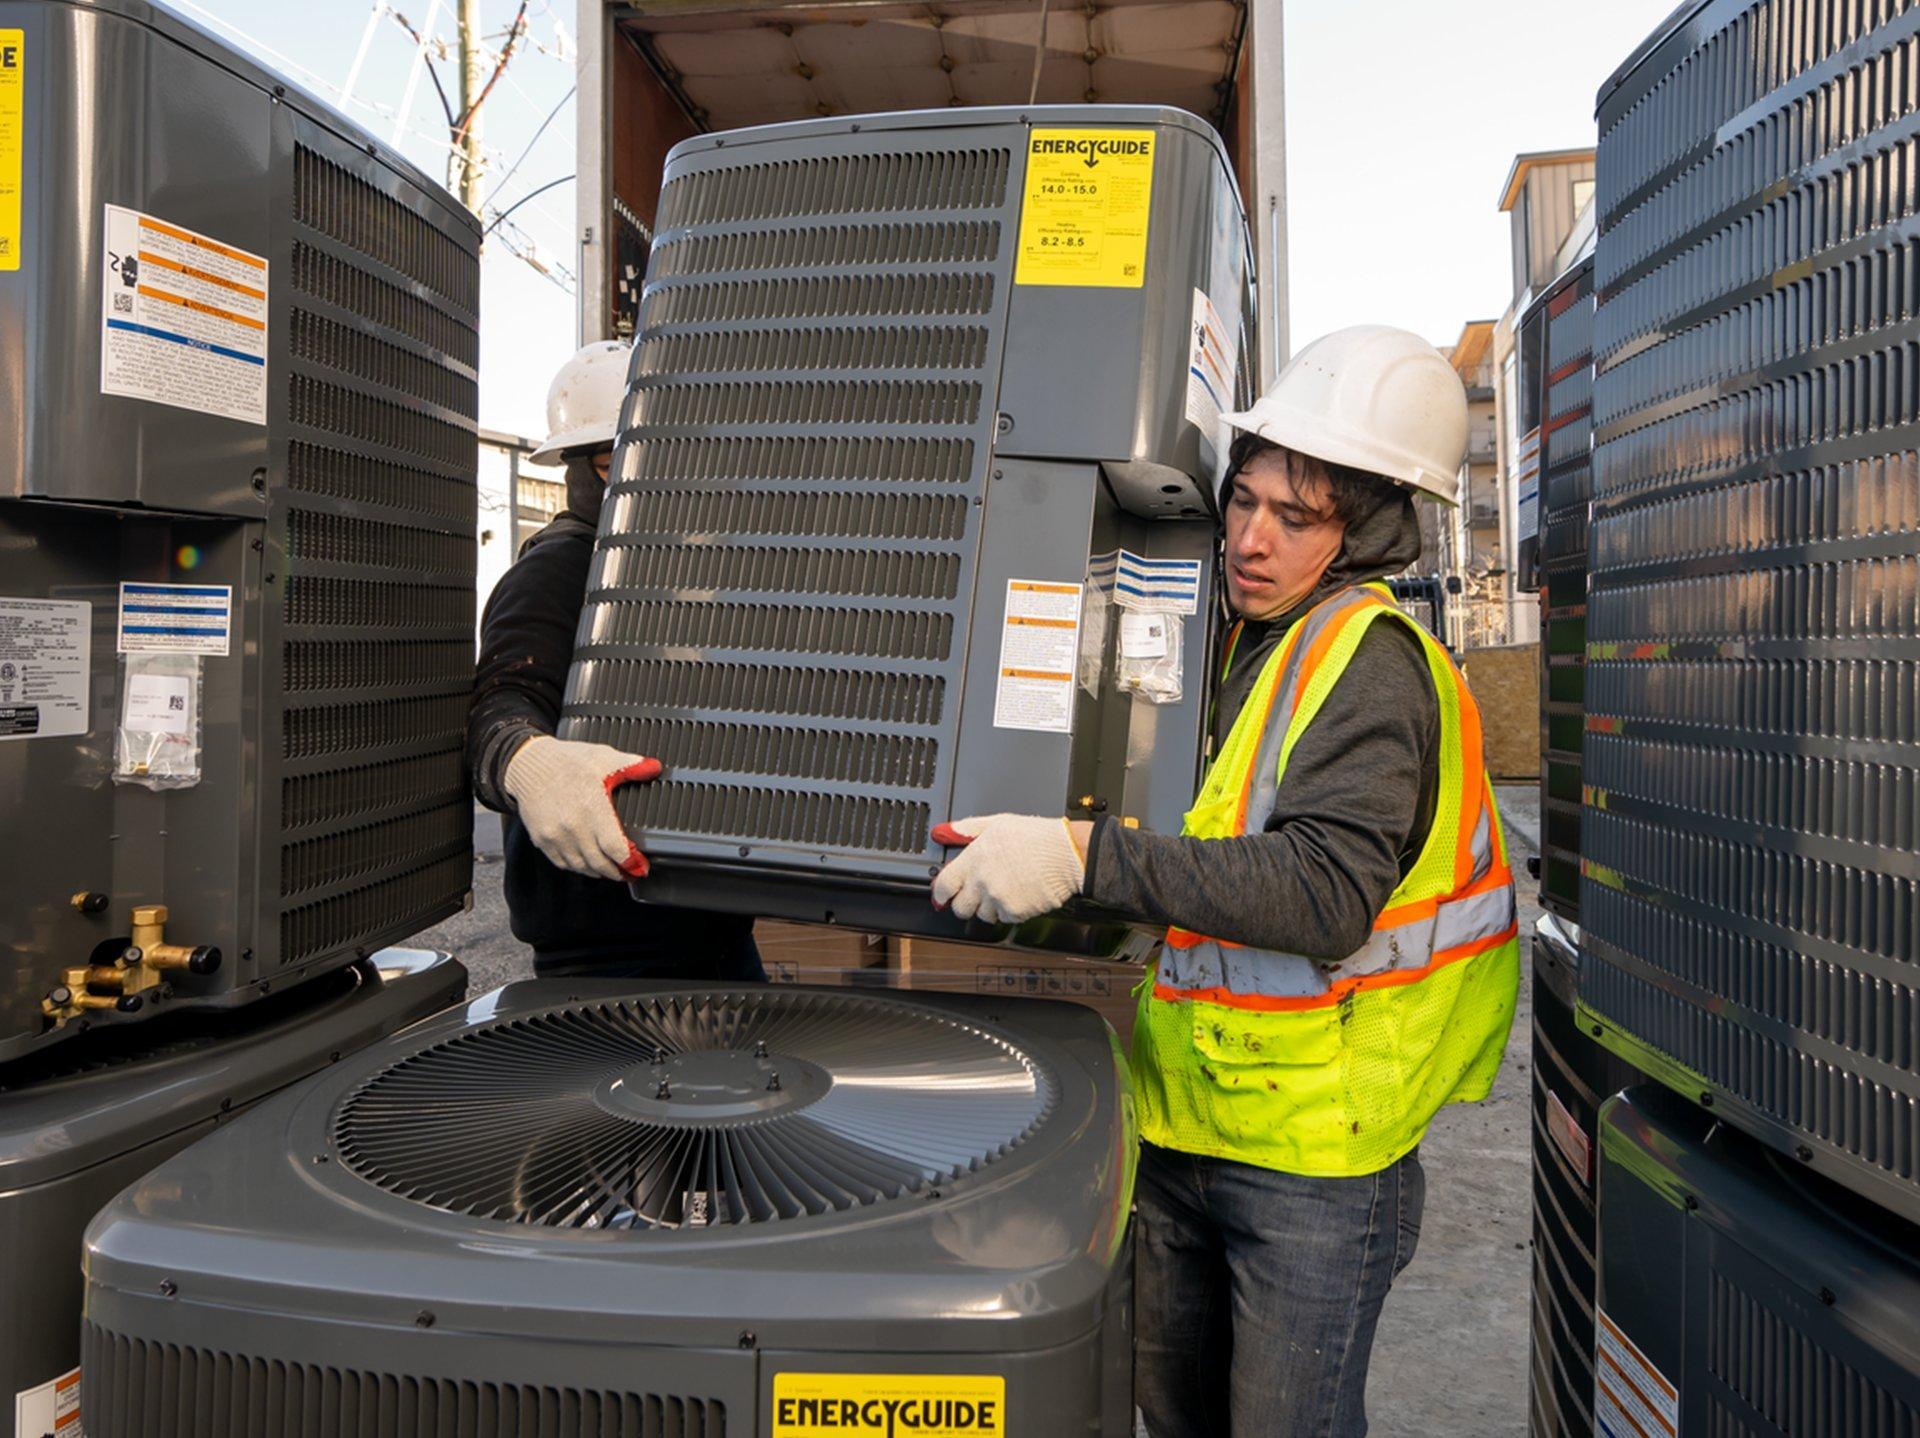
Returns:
point(1403, 117)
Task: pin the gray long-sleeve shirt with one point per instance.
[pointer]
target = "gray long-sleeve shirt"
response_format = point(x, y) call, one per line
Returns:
point(1349, 817)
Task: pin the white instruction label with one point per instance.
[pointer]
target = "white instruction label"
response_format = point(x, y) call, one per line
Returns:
point(159, 701)
point(176, 618)
point(50, 1411)
point(45, 648)
point(1039, 648)
point(183, 319)
point(1210, 367)
point(1632, 1398)
point(1160, 586)
point(1143, 636)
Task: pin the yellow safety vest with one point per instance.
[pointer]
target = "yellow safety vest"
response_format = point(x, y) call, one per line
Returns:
point(1335, 1069)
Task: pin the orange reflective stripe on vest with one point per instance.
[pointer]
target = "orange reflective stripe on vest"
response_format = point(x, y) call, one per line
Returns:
point(1291, 1062)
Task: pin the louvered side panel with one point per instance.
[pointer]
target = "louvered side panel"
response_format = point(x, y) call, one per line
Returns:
point(1751, 825)
point(376, 613)
point(1566, 487)
point(136, 1388)
point(777, 604)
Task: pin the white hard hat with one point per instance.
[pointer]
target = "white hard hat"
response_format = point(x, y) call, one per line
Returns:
point(583, 402)
point(1374, 398)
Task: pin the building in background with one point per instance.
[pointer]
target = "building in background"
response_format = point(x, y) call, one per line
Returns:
point(1472, 543)
point(517, 500)
point(1549, 197)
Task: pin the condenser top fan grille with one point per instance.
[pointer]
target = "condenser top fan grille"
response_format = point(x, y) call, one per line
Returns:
point(693, 1109)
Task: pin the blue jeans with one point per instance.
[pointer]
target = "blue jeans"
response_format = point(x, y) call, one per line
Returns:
point(1257, 1293)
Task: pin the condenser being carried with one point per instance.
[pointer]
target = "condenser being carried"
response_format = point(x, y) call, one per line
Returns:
point(912, 512)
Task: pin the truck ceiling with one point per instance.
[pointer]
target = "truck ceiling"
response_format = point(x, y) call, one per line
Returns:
point(731, 65)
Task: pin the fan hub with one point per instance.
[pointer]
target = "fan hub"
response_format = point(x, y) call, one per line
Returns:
point(710, 1086)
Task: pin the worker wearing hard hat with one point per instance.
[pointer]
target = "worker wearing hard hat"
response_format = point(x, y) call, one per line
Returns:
point(567, 857)
point(1342, 951)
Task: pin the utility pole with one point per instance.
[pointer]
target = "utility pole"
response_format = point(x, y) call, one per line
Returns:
point(476, 83)
point(472, 82)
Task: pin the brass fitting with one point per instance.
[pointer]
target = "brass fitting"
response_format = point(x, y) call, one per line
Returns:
point(70, 998)
point(149, 937)
point(141, 967)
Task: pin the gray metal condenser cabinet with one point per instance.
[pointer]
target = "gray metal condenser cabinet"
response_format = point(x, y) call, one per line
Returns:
point(238, 352)
point(920, 403)
point(1750, 831)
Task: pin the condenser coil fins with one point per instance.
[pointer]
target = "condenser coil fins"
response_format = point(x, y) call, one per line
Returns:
point(1566, 488)
point(237, 481)
point(1751, 832)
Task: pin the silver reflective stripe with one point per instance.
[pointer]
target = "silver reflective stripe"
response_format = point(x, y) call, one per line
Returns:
point(1272, 973)
point(1207, 965)
point(1482, 842)
point(1266, 761)
point(1465, 921)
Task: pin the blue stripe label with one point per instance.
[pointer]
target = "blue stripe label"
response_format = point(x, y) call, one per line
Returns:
point(151, 333)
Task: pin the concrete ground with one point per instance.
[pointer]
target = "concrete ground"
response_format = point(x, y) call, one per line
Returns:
point(1451, 1357)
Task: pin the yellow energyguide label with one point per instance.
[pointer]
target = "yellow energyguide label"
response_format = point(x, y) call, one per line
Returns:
point(1084, 220)
point(888, 1405)
point(13, 93)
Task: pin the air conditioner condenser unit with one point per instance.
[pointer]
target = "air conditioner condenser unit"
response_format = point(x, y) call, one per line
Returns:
point(584, 1209)
point(912, 514)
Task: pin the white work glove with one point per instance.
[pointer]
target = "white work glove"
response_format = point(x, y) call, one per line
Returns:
point(1013, 867)
point(564, 792)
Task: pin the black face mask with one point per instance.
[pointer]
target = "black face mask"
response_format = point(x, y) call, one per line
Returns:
point(586, 490)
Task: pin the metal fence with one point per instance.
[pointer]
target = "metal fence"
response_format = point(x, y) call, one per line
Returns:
point(1478, 623)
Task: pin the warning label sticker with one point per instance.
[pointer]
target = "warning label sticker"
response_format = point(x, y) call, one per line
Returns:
point(183, 319)
point(1632, 1398)
point(1211, 362)
point(176, 619)
point(1039, 647)
point(888, 1405)
point(1160, 586)
point(1084, 220)
point(50, 1411)
point(45, 648)
point(13, 141)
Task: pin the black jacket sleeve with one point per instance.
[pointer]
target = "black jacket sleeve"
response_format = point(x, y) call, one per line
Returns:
point(1351, 813)
point(526, 644)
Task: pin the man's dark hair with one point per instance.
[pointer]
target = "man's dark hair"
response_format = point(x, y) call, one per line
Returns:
point(1353, 494)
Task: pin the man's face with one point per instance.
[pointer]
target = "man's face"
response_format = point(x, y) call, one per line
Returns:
point(1281, 533)
point(603, 464)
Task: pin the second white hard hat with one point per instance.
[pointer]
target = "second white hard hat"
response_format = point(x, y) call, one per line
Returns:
point(1373, 398)
point(583, 402)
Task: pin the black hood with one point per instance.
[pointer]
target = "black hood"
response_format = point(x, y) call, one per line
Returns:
point(1381, 543)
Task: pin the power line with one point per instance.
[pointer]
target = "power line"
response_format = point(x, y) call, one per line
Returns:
point(550, 184)
point(439, 142)
point(513, 169)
